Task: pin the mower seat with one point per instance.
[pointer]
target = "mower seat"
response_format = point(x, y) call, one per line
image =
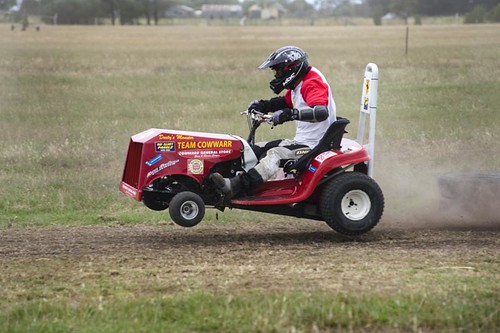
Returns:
point(330, 141)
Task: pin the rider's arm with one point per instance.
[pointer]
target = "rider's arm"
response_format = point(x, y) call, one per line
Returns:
point(315, 114)
point(271, 105)
point(277, 103)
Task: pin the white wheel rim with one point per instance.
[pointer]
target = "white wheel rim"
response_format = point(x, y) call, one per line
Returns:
point(356, 205)
point(189, 210)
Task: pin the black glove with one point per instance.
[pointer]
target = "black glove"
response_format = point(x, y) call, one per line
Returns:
point(259, 105)
point(267, 106)
point(287, 114)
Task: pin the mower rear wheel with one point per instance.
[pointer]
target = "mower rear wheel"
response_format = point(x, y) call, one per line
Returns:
point(187, 209)
point(352, 203)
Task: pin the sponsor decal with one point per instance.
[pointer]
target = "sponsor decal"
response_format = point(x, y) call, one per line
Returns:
point(323, 156)
point(183, 137)
point(205, 153)
point(129, 190)
point(161, 167)
point(312, 169)
point(183, 145)
point(166, 137)
point(193, 153)
point(195, 166)
point(294, 55)
point(367, 86)
point(154, 160)
point(174, 137)
point(302, 152)
point(351, 149)
point(365, 103)
point(164, 146)
point(289, 79)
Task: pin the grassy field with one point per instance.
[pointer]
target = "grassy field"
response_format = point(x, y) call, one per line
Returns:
point(70, 97)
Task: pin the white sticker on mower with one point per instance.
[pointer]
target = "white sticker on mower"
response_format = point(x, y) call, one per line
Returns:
point(161, 167)
point(129, 190)
point(323, 156)
point(195, 166)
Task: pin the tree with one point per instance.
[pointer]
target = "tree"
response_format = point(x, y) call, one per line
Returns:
point(404, 8)
point(494, 14)
point(477, 15)
point(451, 7)
point(147, 6)
point(300, 8)
point(7, 4)
point(378, 9)
point(73, 11)
point(328, 6)
point(130, 11)
point(111, 7)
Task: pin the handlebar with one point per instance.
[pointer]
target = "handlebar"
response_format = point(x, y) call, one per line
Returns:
point(255, 118)
point(258, 116)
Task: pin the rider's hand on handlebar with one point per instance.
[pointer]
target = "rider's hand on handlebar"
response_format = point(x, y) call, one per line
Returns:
point(257, 105)
point(281, 116)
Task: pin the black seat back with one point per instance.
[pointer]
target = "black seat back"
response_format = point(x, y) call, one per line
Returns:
point(330, 141)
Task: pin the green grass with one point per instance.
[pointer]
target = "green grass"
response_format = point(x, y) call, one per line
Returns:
point(114, 293)
point(291, 311)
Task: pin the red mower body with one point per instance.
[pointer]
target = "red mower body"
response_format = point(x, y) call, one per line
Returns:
point(156, 153)
point(289, 191)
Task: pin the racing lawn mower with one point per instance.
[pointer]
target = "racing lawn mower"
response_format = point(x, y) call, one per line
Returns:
point(169, 169)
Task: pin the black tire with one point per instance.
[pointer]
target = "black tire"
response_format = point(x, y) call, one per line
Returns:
point(352, 203)
point(187, 209)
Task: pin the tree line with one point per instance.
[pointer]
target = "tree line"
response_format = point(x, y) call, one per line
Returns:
point(131, 11)
point(487, 9)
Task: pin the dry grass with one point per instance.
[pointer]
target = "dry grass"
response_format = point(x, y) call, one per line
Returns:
point(70, 97)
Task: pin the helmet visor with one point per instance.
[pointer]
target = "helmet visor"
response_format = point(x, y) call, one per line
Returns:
point(269, 62)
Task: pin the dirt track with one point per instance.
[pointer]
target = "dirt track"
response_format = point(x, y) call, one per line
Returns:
point(142, 239)
point(298, 254)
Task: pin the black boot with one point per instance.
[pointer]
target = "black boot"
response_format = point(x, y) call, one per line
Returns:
point(253, 179)
point(238, 185)
point(230, 187)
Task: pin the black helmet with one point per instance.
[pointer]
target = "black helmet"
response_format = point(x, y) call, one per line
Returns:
point(290, 65)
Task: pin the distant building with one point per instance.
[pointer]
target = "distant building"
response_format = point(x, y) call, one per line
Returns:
point(255, 11)
point(389, 16)
point(221, 11)
point(269, 12)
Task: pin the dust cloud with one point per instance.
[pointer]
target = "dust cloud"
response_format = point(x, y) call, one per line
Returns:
point(421, 194)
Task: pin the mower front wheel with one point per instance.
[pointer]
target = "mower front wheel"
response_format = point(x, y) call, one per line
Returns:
point(352, 203)
point(187, 209)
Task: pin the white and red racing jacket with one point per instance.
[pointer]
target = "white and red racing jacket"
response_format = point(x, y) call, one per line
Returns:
point(313, 90)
